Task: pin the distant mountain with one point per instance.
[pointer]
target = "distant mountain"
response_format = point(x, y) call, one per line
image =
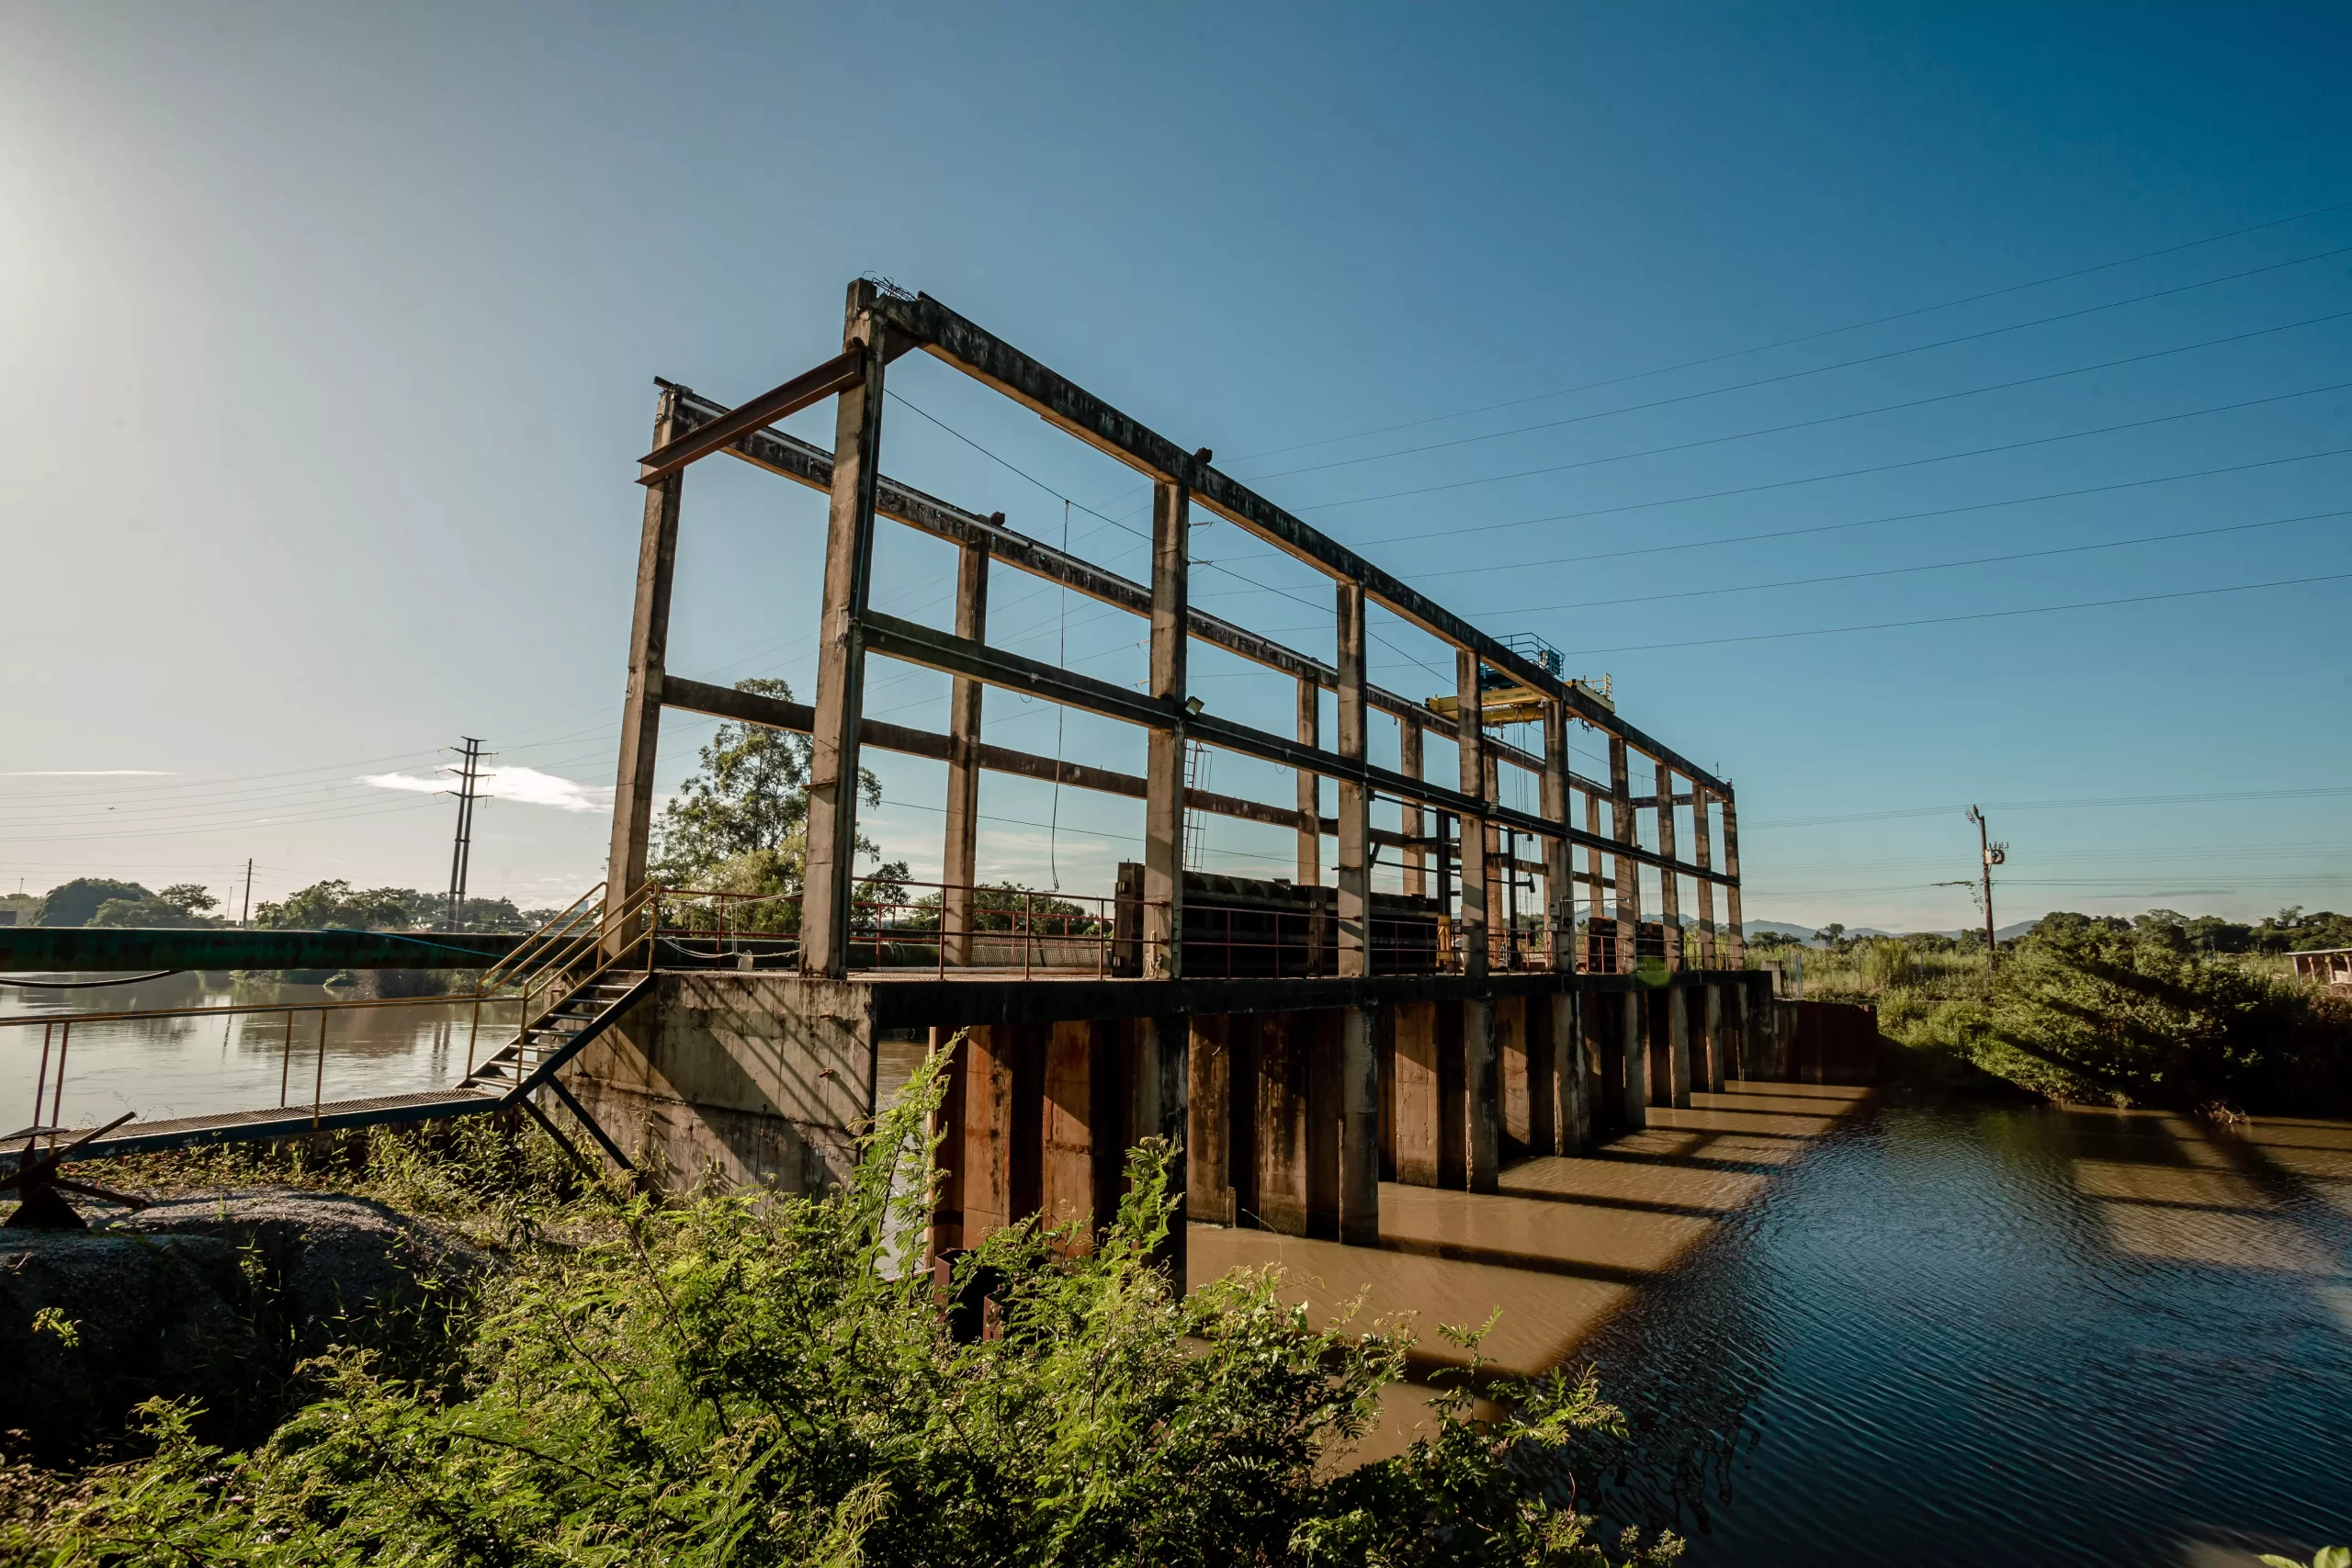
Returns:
point(1804, 934)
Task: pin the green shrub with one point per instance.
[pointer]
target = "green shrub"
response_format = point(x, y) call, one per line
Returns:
point(753, 1382)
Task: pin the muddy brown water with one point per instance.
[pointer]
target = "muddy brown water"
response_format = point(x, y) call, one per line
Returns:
point(1845, 1330)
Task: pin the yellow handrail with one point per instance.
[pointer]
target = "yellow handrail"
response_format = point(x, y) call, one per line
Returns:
point(536, 943)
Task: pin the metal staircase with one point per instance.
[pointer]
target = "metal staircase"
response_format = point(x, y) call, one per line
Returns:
point(575, 977)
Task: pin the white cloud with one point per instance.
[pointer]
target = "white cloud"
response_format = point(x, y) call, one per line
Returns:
point(91, 773)
point(526, 786)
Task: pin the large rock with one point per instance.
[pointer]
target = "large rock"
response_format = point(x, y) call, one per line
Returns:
point(141, 1316)
point(209, 1299)
point(331, 1268)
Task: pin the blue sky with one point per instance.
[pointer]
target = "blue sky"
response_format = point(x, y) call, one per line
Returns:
point(330, 334)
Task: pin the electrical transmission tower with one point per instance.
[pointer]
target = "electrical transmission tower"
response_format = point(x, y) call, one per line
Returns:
point(469, 771)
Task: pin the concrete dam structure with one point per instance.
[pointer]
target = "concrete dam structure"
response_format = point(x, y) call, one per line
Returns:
point(1302, 1041)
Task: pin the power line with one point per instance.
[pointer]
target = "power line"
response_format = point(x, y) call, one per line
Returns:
point(1977, 615)
point(1857, 523)
point(2068, 804)
point(1848, 473)
point(1932, 566)
point(1827, 419)
point(1825, 369)
point(1806, 337)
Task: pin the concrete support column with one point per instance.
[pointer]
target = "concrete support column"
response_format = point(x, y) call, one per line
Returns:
point(1669, 882)
point(1628, 873)
point(1416, 1099)
point(1358, 1128)
point(649, 642)
point(1310, 788)
point(1414, 822)
point(1499, 874)
point(1559, 889)
point(949, 1136)
point(1678, 1046)
point(1472, 744)
point(1163, 1109)
point(1002, 1099)
point(1209, 1188)
point(1595, 884)
point(1163, 847)
point(1735, 937)
point(1520, 1068)
point(1637, 1060)
point(960, 865)
point(1712, 1021)
point(1702, 853)
point(1571, 1075)
point(1482, 1132)
point(831, 873)
point(1355, 801)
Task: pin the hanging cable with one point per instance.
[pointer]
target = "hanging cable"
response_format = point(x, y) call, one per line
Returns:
point(1061, 711)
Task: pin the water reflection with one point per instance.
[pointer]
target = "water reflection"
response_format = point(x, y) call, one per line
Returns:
point(1861, 1333)
point(189, 1066)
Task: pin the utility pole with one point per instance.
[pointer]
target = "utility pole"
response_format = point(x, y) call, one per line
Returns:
point(469, 770)
point(1993, 854)
point(245, 915)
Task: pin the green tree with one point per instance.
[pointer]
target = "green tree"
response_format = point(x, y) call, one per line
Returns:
point(74, 903)
point(335, 905)
point(741, 821)
point(181, 904)
point(759, 1379)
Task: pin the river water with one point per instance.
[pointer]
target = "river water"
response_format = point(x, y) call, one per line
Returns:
point(1846, 1331)
point(1849, 1332)
point(168, 1067)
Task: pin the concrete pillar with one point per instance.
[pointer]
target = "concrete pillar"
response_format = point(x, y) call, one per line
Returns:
point(1702, 855)
point(1482, 1140)
point(1080, 1141)
point(1164, 848)
point(949, 1135)
point(1628, 873)
point(1559, 888)
point(1208, 1147)
point(1631, 1022)
point(1514, 1082)
point(1571, 1075)
point(831, 871)
point(1735, 937)
point(1500, 937)
point(1358, 1128)
point(1283, 1100)
point(1677, 1044)
point(1594, 884)
point(959, 864)
point(1416, 1111)
point(1414, 823)
point(1354, 902)
point(649, 642)
point(1472, 744)
point(1002, 1135)
point(1669, 882)
point(1160, 1093)
point(1310, 788)
point(1713, 1021)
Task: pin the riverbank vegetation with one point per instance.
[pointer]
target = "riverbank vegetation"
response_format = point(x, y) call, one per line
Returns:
point(726, 1380)
point(2161, 1009)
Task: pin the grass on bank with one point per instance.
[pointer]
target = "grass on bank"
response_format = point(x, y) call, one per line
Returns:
point(733, 1380)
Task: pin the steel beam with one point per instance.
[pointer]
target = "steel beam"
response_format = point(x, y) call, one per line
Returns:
point(990, 359)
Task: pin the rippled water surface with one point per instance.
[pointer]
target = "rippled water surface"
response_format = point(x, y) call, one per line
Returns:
point(165, 1068)
point(2026, 1335)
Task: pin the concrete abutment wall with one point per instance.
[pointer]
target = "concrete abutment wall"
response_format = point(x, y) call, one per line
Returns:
point(1289, 1115)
